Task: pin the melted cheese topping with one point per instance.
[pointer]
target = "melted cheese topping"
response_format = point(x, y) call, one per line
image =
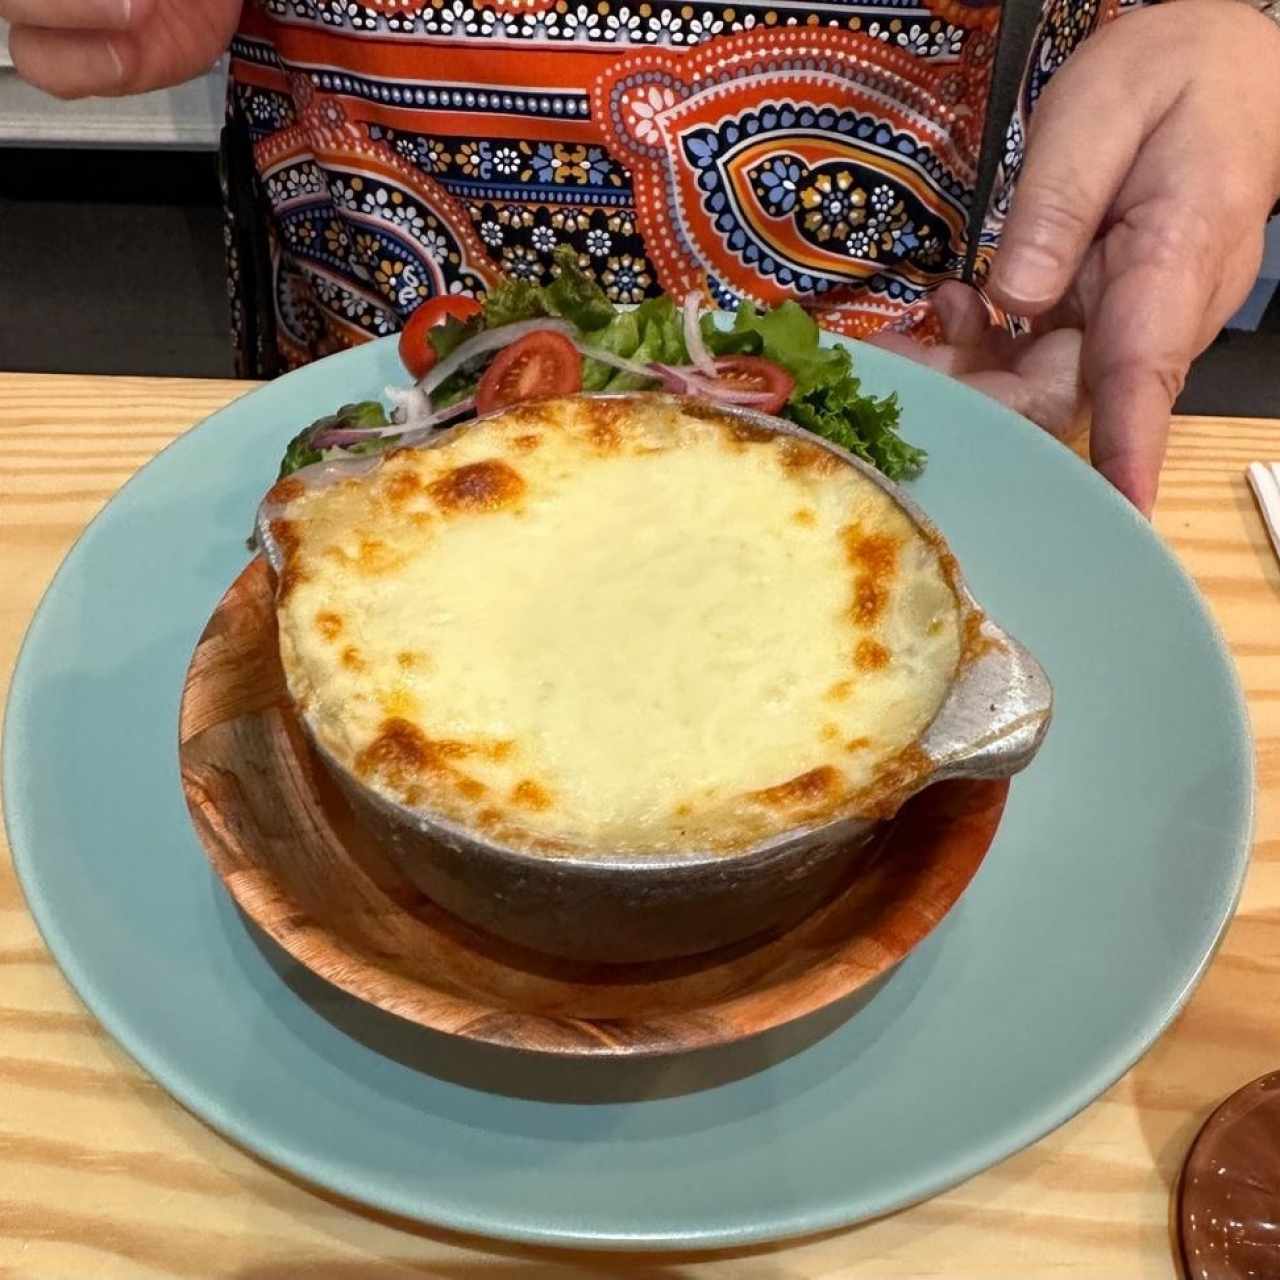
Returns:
point(616, 626)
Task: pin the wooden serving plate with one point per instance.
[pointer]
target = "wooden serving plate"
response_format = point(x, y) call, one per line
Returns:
point(283, 842)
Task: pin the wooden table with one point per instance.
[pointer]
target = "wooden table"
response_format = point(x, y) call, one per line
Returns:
point(103, 1175)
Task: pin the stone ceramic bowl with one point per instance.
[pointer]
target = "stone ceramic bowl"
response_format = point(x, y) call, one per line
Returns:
point(619, 908)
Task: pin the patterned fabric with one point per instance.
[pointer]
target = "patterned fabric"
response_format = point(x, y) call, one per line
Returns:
point(402, 149)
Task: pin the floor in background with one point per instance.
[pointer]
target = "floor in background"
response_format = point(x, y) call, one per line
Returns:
point(111, 262)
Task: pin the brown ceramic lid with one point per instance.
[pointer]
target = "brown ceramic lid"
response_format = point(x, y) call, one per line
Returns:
point(1229, 1195)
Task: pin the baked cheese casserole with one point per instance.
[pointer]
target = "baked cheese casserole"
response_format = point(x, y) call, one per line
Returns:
point(615, 625)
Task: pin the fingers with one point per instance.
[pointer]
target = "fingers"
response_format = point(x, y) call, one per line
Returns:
point(960, 311)
point(68, 64)
point(72, 48)
point(80, 49)
point(1037, 377)
point(937, 357)
point(968, 331)
point(1138, 351)
point(1042, 382)
point(1130, 429)
point(1168, 274)
point(1157, 308)
point(71, 15)
point(1161, 131)
point(1085, 134)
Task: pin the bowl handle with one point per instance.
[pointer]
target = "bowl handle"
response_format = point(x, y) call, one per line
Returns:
point(996, 715)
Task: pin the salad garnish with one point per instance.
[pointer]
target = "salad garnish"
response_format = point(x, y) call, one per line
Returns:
point(525, 340)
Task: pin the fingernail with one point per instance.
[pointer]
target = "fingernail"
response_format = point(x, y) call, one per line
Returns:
point(1027, 273)
point(116, 61)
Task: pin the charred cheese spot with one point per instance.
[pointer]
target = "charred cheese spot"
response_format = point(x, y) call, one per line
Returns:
point(402, 485)
point(975, 642)
point(352, 659)
point(399, 754)
point(398, 703)
point(501, 750)
point(736, 431)
point(470, 787)
point(605, 437)
point(869, 600)
point(800, 455)
point(531, 413)
point(529, 795)
point(839, 691)
point(603, 419)
point(328, 624)
point(874, 557)
point(829, 732)
point(870, 655)
point(527, 444)
point(401, 751)
point(478, 486)
point(805, 516)
point(804, 790)
point(857, 744)
point(409, 659)
point(895, 777)
point(288, 539)
point(285, 491)
point(872, 553)
point(376, 558)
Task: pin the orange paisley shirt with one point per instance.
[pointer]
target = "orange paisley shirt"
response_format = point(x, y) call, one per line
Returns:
point(395, 150)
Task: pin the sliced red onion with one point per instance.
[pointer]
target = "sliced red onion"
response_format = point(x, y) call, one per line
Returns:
point(342, 437)
point(415, 432)
point(687, 381)
point(408, 418)
point(699, 356)
point(483, 343)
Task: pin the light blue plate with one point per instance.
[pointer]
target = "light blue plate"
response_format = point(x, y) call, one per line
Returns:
point(1116, 868)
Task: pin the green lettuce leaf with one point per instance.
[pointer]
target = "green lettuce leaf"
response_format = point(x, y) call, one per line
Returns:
point(575, 296)
point(451, 333)
point(300, 452)
point(828, 398)
point(864, 425)
point(653, 331)
point(512, 300)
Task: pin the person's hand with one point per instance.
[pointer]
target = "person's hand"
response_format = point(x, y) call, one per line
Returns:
point(83, 48)
point(1136, 229)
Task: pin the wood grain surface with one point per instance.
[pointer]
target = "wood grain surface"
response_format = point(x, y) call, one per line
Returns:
point(103, 1175)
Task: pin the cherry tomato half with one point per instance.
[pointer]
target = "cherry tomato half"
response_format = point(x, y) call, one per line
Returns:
point(540, 364)
point(416, 352)
point(755, 373)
